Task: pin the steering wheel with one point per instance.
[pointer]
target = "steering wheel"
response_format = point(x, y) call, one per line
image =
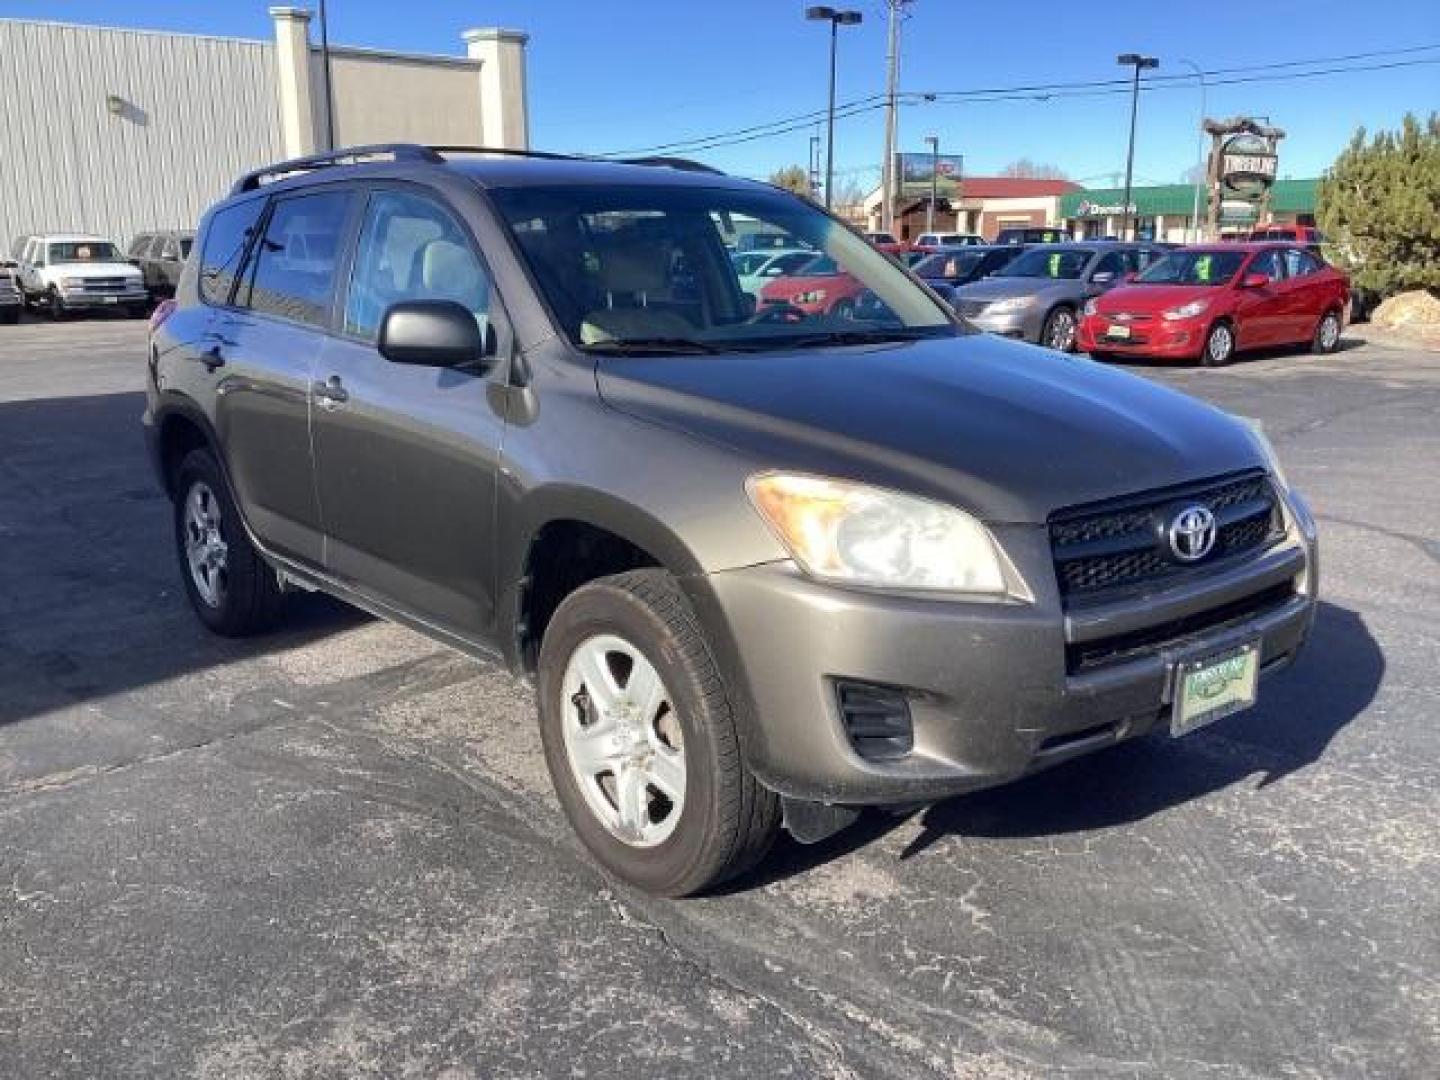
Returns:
point(788, 314)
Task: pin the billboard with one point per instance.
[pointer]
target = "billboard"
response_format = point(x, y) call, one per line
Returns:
point(913, 173)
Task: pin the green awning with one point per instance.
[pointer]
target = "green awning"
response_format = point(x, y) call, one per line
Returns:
point(1287, 196)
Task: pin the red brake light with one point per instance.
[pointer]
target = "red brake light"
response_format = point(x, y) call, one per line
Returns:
point(163, 311)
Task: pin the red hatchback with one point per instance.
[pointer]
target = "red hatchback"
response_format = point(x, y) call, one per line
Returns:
point(819, 287)
point(1208, 303)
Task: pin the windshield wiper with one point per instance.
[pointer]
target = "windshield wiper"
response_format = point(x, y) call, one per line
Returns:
point(853, 337)
point(653, 346)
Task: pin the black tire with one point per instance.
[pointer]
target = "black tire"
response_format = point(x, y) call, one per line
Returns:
point(728, 820)
point(1055, 323)
point(843, 309)
point(10, 315)
point(1219, 347)
point(251, 601)
point(1102, 357)
point(1327, 333)
point(54, 306)
point(138, 311)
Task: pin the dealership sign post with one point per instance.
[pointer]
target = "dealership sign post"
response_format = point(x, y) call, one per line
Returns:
point(1242, 170)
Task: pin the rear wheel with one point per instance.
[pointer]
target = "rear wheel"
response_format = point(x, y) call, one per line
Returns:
point(1059, 330)
point(1219, 345)
point(231, 588)
point(640, 738)
point(1327, 333)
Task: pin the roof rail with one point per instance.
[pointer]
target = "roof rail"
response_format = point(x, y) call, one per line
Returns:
point(683, 164)
point(547, 155)
point(348, 155)
point(354, 155)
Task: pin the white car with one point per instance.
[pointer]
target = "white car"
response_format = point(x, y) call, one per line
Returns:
point(948, 239)
point(756, 269)
point(64, 272)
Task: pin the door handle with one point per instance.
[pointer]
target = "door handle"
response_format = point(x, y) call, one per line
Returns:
point(331, 392)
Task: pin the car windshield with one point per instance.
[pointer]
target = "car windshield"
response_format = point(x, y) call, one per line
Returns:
point(751, 261)
point(949, 264)
point(83, 251)
point(1067, 264)
point(1193, 268)
point(644, 270)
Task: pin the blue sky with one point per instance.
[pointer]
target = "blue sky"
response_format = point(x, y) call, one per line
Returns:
point(620, 75)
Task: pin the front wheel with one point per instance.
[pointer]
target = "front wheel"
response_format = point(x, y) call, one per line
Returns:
point(1219, 345)
point(55, 306)
point(640, 738)
point(1059, 330)
point(1327, 333)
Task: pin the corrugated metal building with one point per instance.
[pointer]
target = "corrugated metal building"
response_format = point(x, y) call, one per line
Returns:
point(119, 131)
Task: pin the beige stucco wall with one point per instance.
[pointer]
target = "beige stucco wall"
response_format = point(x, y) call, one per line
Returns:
point(391, 97)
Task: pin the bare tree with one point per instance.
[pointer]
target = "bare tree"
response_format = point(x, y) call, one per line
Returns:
point(792, 178)
point(1034, 170)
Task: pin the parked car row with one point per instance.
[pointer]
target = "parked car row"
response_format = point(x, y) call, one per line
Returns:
point(64, 273)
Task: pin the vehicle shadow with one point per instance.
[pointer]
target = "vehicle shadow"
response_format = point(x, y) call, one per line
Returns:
point(1301, 711)
point(1239, 360)
point(91, 599)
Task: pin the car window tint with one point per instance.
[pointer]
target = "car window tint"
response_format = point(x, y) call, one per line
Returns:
point(411, 249)
point(224, 248)
point(1300, 263)
point(1110, 263)
point(291, 273)
point(1270, 264)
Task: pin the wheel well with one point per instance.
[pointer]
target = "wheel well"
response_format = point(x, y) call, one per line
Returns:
point(178, 436)
point(564, 556)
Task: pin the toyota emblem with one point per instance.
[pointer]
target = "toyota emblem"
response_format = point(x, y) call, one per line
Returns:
point(1192, 533)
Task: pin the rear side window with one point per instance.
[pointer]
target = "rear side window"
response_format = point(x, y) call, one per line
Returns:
point(224, 248)
point(1299, 263)
point(292, 271)
point(139, 245)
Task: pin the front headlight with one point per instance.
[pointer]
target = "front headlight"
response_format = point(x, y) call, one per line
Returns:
point(1185, 311)
point(852, 533)
point(1013, 303)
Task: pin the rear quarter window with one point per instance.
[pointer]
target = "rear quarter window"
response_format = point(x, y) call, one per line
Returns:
point(223, 249)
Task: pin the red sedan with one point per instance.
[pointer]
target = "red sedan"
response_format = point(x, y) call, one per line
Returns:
point(819, 287)
point(1208, 303)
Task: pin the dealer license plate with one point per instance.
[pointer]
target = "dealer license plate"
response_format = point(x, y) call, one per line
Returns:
point(1118, 331)
point(1215, 686)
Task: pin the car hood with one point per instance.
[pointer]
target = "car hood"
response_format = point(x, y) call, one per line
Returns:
point(1152, 299)
point(95, 269)
point(1006, 430)
point(1001, 288)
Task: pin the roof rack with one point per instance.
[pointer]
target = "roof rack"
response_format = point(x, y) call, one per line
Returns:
point(349, 155)
point(432, 155)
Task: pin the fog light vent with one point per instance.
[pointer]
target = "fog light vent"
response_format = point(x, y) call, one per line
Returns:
point(877, 719)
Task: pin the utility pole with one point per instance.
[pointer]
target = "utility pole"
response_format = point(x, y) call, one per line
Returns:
point(1139, 63)
point(892, 82)
point(329, 95)
point(934, 141)
point(836, 19)
point(815, 167)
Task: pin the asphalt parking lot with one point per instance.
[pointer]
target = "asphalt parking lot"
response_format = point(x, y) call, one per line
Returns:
point(334, 852)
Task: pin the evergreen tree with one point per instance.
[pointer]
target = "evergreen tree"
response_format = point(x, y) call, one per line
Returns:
point(1379, 207)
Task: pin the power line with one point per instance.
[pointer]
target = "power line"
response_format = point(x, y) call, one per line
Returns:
point(1041, 91)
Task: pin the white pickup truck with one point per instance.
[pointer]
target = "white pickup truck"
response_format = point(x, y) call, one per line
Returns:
point(65, 272)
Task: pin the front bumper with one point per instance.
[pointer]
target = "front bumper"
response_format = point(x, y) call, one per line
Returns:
point(994, 691)
point(89, 298)
point(1023, 323)
point(1182, 339)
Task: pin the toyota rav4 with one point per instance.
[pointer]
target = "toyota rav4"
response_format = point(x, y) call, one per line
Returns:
point(763, 565)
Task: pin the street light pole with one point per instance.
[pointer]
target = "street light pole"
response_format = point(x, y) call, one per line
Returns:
point(934, 141)
point(836, 19)
point(329, 94)
point(1193, 234)
point(1139, 63)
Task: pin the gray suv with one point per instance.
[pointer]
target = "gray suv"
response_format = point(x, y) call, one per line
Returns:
point(763, 567)
point(1039, 296)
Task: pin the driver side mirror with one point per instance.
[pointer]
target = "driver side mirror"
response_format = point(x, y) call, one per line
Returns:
point(433, 333)
point(1254, 281)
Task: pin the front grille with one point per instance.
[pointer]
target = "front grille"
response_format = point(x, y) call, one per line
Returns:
point(104, 284)
point(1109, 548)
point(1086, 656)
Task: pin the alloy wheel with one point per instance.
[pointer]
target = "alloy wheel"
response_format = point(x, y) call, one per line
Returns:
point(1220, 344)
point(1329, 332)
point(205, 549)
point(1061, 331)
point(623, 740)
